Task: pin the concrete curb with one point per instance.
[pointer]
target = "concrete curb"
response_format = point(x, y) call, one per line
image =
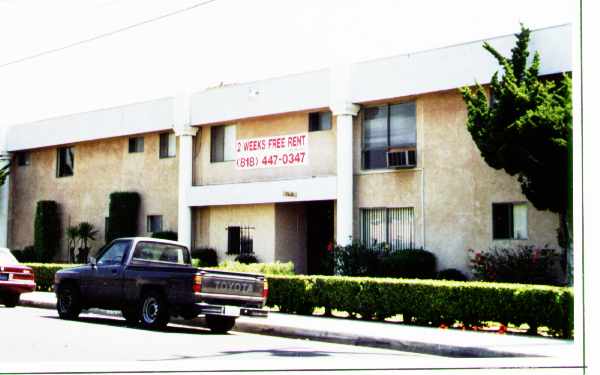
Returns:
point(261, 327)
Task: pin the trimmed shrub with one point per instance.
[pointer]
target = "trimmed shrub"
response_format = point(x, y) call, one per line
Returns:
point(207, 257)
point(276, 268)
point(123, 212)
point(451, 274)
point(411, 264)
point(26, 255)
point(246, 258)
point(46, 240)
point(429, 302)
point(356, 259)
point(44, 274)
point(165, 235)
point(523, 264)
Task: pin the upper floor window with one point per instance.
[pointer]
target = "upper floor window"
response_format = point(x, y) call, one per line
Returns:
point(23, 158)
point(319, 121)
point(222, 143)
point(167, 146)
point(65, 162)
point(389, 136)
point(509, 221)
point(136, 144)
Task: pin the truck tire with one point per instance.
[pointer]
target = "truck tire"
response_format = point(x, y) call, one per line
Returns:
point(131, 316)
point(220, 324)
point(11, 300)
point(153, 310)
point(68, 302)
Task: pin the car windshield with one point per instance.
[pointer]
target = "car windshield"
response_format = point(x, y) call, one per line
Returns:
point(6, 257)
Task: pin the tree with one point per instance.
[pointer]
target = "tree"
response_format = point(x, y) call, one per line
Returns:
point(525, 128)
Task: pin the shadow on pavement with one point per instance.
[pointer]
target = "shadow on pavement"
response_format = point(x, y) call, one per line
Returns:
point(117, 322)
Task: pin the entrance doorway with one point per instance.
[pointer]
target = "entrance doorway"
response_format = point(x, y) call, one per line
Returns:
point(319, 233)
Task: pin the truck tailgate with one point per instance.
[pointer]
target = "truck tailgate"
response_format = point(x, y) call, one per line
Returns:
point(232, 286)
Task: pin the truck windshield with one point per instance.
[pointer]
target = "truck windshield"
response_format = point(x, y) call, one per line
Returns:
point(161, 252)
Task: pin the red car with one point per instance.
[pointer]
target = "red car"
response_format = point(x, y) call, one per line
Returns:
point(15, 279)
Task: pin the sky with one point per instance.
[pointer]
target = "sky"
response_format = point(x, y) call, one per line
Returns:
point(225, 41)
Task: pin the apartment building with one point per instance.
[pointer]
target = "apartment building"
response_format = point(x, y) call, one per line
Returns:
point(376, 151)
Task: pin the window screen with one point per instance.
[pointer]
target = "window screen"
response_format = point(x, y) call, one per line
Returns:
point(167, 146)
point(393, 226)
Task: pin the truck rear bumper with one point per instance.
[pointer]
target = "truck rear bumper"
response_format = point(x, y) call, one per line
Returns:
point(234, 311)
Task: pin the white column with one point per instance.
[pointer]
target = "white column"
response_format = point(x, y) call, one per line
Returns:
point(345, 113)
point(186, 134)
point(4, 198)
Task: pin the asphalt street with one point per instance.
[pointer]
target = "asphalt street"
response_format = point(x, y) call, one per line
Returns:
point(36, 339)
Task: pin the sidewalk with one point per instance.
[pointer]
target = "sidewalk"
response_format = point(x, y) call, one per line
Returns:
point(427, 340)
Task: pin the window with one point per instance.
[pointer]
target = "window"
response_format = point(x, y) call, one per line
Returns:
point(168, 146)
point(136, 144)
point(154, 223)
point(222, 143)
point(509, 221)
point(161, 252)
point(114, 253)
point(319, 121)
point(239, 240)
point(388, 127)
point(393, 226)
point(65, 162)
point(23, 158)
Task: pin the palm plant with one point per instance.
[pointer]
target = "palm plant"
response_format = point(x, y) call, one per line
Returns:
point(86, 232)
point(73, 237)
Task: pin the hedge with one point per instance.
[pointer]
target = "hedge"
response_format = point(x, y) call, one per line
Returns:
point(276, 268)
point(419, 301)
point(44, 274)
point(428, 301)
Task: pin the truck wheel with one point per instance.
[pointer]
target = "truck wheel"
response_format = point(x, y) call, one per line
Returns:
point(68, 302)
point(220, 324)
point(153, 311)
point(11, 300)
point(131, 316)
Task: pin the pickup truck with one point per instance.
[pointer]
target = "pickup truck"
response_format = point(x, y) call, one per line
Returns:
point(151, 280)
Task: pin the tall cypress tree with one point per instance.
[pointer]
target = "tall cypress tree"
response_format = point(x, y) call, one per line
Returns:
point(525, 128)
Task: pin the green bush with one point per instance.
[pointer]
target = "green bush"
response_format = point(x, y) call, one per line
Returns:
point(428, 301)
point(207, 257)
point(451, 274)
point(246, 258)
point(410, 264)
point(26, 255)
point(357, 259)
point(523, 264)
point(123, 212)
point(276, 268)
point(46, 237)
point(165, 235)
point(44, 274)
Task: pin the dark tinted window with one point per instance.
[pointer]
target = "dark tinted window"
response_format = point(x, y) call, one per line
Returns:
point(136, 144)
point(502, 220)
point(65, 160)
point(319, 121)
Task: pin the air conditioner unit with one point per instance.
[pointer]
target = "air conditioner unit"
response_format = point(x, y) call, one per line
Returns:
point(401, 158)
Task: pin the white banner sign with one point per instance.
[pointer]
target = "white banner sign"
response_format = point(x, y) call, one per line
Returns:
point(269, 152)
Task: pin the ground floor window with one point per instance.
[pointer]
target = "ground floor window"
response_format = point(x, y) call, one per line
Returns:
point(240, 240)
point(154, 223)
point(393, 226)
point(509, 221)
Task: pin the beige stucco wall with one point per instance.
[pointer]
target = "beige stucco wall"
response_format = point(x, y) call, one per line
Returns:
point(321, 151)
point(101, 167)
point(290, 237)
point(452, 182)
point(210, 225)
